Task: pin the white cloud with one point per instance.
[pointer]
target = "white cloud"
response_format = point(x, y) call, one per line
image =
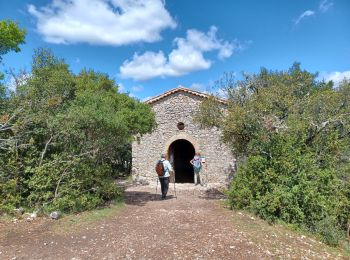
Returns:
point(132, 95)
point(185, 58)
point(145, 66)
point(221, 93)
point(325, 5)
point(303, 15)
point(335, 76)
point(17, 80)
point(102, 22)
point(137, 88)
point(121, 88)
point(196, 86)
point(199, 87)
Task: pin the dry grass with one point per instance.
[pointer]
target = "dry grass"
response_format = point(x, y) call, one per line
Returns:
point(76, 222)
point(279, 239)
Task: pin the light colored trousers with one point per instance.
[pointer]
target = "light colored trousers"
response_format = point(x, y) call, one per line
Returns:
point(197, 179)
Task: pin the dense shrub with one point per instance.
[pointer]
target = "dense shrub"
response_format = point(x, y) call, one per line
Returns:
point(329, 230)
point(65, 137)
point(292, 135)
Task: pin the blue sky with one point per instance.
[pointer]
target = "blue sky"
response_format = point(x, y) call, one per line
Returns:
point(151, 46)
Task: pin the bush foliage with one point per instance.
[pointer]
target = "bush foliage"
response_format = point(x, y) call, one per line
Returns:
point(292, 135)
point(65, 137)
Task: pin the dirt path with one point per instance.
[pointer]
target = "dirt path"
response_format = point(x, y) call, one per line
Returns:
point(193, 226)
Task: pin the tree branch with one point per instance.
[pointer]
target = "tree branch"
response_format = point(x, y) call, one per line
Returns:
point(59, 181)
point(5, 126)
point(319, 128)
point(45, 149)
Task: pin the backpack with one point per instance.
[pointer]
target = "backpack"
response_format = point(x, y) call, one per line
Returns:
point(160, 168)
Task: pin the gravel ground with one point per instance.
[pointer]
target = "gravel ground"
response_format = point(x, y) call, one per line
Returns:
point(193, 225)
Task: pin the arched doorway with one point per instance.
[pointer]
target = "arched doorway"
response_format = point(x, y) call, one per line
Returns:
point(180, 153)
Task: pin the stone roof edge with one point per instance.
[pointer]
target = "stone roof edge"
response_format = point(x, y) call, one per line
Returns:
point(182, 89)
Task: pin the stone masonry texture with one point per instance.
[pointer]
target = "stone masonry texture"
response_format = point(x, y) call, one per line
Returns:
point(169, 111)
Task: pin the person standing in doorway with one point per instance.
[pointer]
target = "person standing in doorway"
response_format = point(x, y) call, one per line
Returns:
point(164, 179)
point(197, 165)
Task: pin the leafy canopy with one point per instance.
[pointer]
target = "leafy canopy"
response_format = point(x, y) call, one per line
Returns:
point(65, 137)
point(292, 135)
point(11, 36)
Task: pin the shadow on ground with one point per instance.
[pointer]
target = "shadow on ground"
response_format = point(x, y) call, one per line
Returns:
point(213, 194)
point(140, 198)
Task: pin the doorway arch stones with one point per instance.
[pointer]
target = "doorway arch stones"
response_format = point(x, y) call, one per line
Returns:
point(184, 136)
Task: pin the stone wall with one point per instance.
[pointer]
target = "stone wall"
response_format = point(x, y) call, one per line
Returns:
point(170, 110)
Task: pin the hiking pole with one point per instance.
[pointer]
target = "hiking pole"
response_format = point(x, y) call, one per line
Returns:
point(157, 186)
point(174, 185)
point(206, 175)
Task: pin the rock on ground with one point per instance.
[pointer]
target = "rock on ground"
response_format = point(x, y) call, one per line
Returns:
point(194, 225)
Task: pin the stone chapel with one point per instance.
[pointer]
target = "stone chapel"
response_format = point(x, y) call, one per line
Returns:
point(178, 136)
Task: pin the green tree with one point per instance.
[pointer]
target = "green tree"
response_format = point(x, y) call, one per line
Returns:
point(292, 134)
point(71, 135)
point(11, 36)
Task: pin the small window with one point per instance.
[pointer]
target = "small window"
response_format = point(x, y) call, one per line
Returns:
point(180, 126)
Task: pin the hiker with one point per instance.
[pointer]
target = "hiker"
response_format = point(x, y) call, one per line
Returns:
point(164, 179)
point(197, 165)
